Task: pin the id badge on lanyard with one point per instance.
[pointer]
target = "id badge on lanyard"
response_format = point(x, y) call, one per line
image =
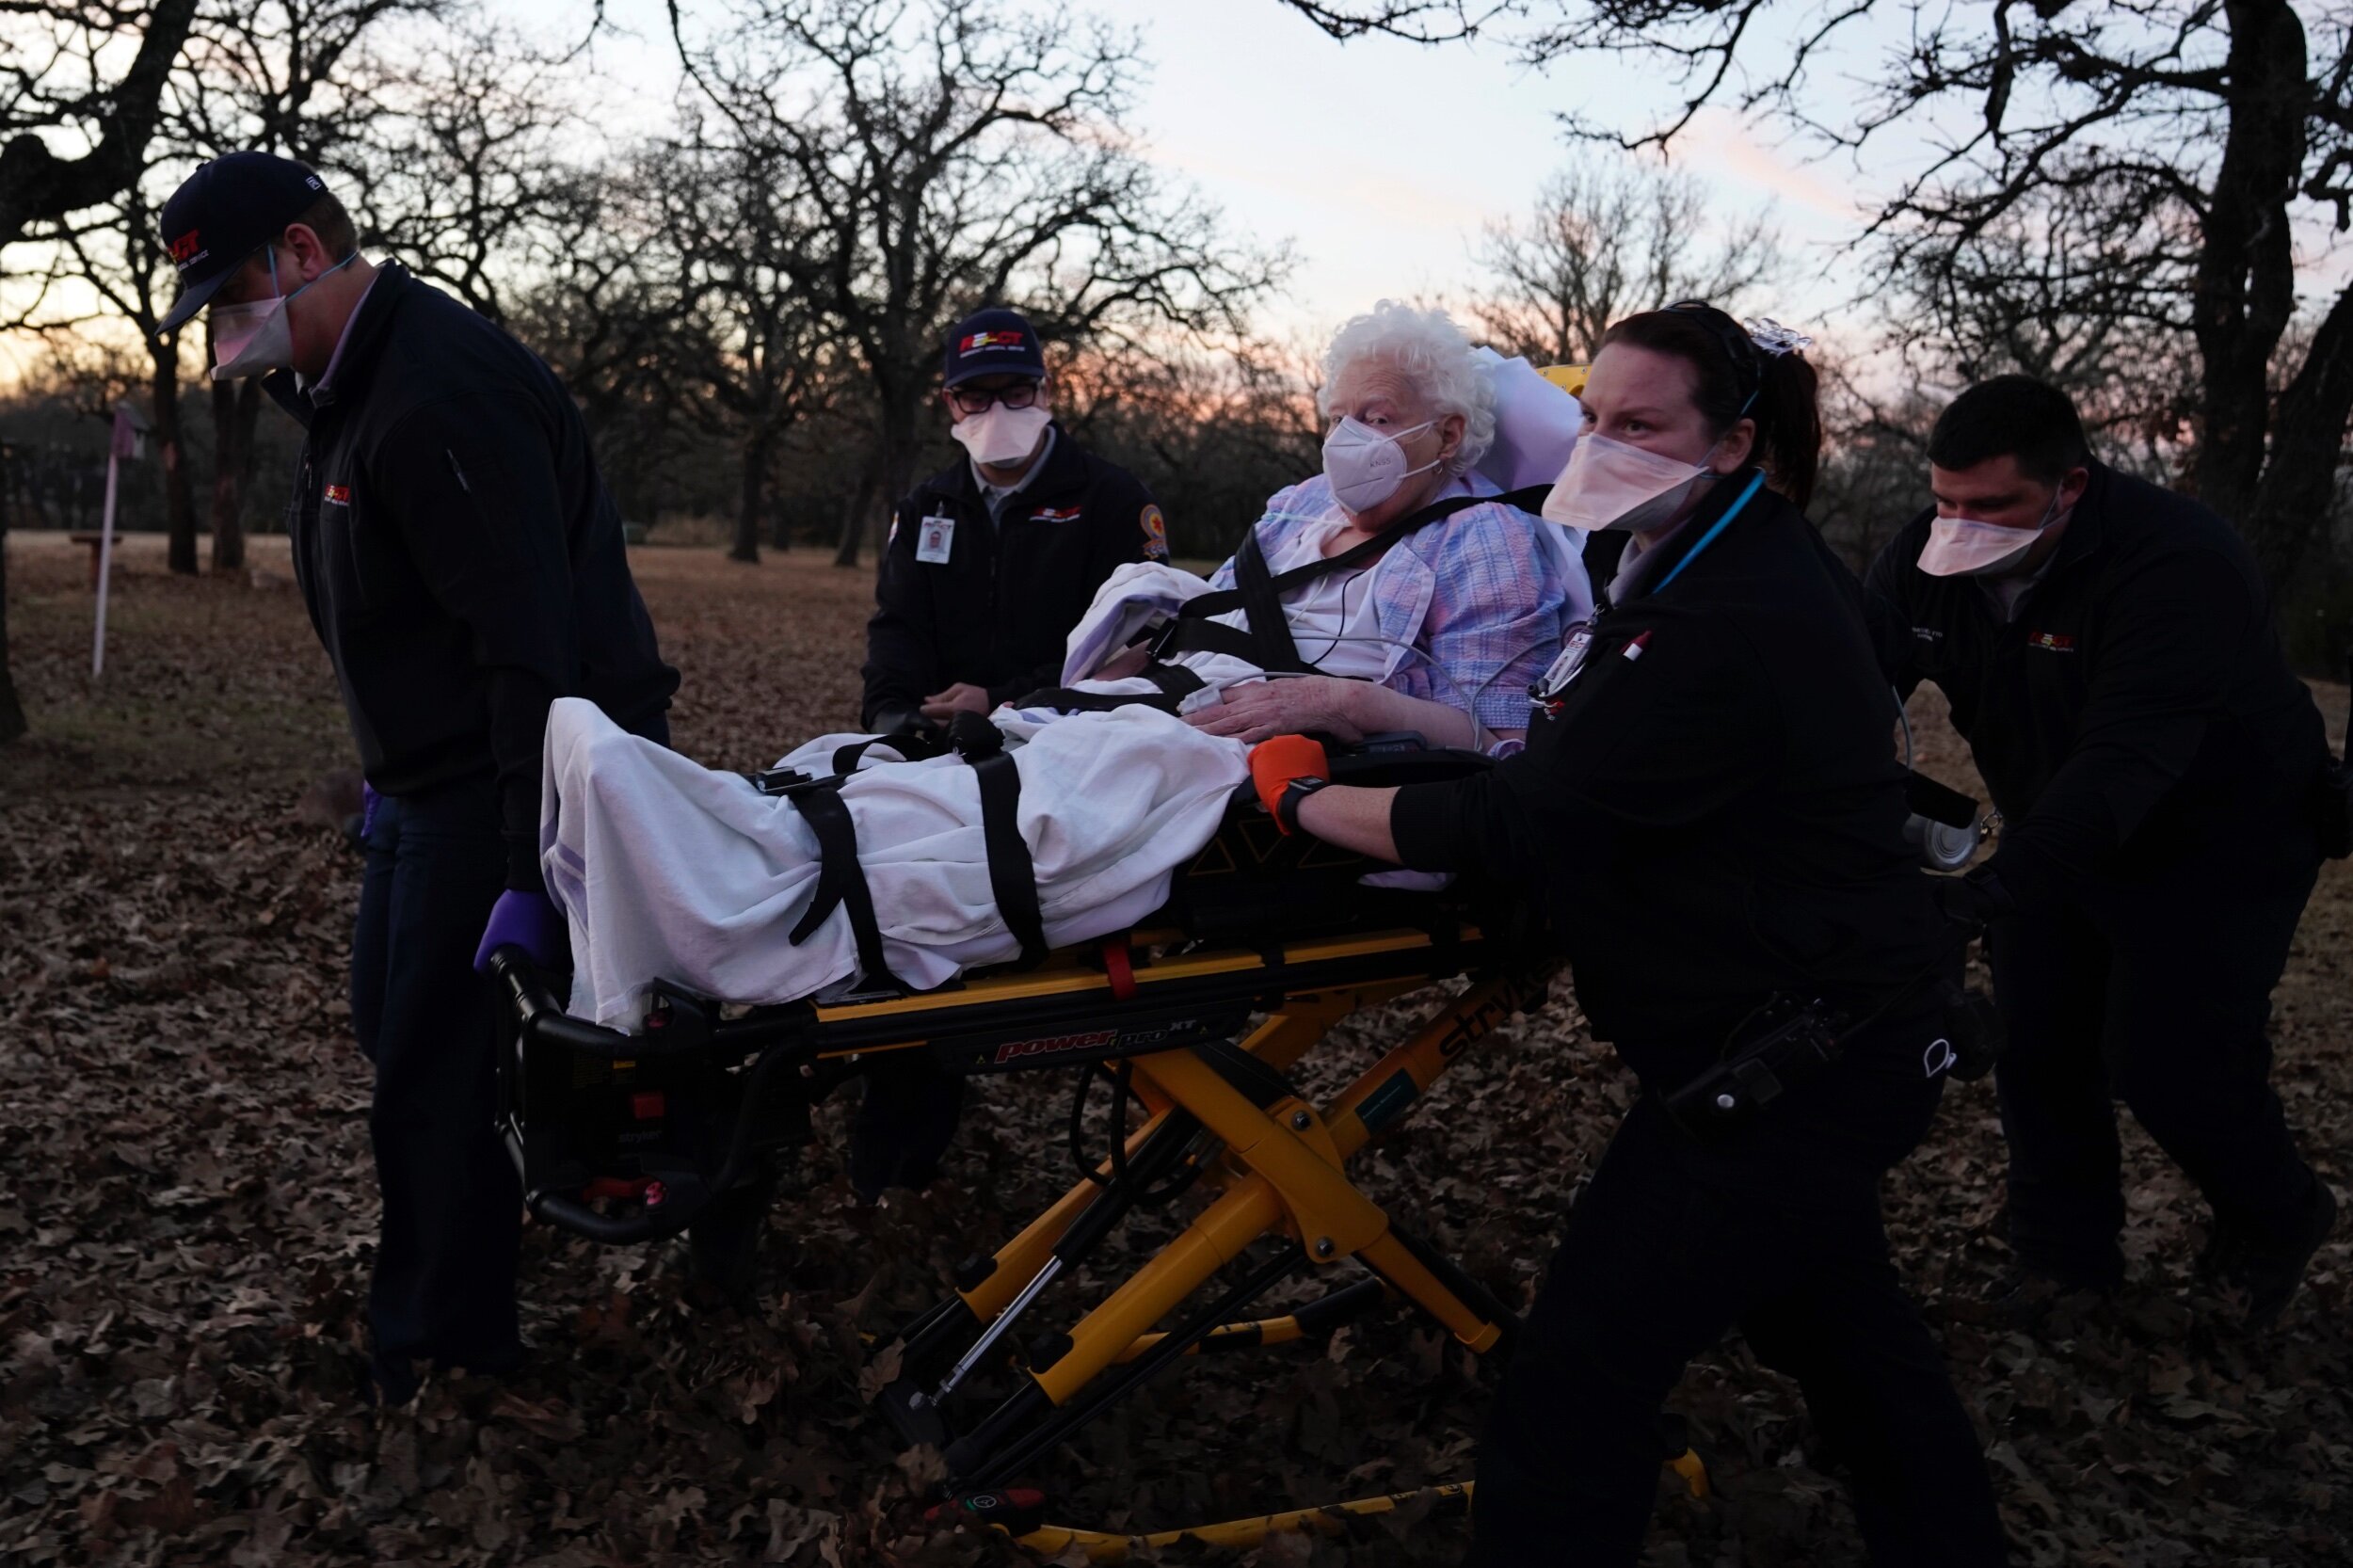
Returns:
point(936, 536)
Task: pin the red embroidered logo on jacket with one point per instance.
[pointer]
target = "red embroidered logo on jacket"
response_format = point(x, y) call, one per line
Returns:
point(2052, 642)
point(1055, 514)
point(338, 495)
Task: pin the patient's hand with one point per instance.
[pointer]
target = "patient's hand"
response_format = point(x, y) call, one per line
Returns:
point(1282, 707)
point(1127, 662)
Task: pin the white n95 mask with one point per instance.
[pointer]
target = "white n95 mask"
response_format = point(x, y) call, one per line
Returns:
point(1002, 436)
point(1366, 466)
point(1617, 485)
point(1966, 547)
point(256, 339)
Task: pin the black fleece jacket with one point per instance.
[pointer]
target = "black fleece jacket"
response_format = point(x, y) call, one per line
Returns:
point(1710, 807)
point(998, 611)
point(2138, 716)
point(461, 557)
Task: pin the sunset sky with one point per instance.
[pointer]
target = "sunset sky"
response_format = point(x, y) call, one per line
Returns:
point(1379, 160)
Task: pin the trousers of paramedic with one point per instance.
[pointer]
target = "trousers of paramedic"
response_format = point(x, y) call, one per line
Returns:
point(1709, 812)
point(2110, 654)
point(462, 563)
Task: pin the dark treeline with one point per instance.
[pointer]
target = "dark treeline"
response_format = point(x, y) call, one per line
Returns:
point(748, 301)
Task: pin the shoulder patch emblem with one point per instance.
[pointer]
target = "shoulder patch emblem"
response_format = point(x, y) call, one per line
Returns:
point(1155, 528)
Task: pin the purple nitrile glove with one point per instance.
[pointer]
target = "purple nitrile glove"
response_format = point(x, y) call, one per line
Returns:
point(368, 801)
point(525, 920)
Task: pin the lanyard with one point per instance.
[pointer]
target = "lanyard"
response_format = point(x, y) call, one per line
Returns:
point(1755, 481)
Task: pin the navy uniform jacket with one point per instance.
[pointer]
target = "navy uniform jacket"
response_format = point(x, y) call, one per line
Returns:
point(2137, 718)
point(459, 555)
point(1710, 807)
point(998, 610)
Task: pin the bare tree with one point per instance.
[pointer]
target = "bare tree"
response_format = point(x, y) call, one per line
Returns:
point(956, 155)
point(1606, 238)
point(58, 81)
point(65, 88)
point(602, 304)
point(739, 233)
point(2231, 124)
point(457, 150)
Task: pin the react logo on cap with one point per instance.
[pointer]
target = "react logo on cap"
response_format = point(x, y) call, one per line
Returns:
point(188, 249)
point(979, 342)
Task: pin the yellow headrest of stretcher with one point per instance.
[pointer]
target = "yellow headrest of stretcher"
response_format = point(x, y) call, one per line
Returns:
point(1569, 379)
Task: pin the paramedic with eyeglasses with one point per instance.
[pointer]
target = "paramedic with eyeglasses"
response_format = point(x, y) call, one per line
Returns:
point(990, 563)
point(2111, 656)
point(992, 560)
point(1709, 813)
point(462, 563)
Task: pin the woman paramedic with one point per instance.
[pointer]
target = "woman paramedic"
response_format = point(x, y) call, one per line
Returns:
point(1707, 809)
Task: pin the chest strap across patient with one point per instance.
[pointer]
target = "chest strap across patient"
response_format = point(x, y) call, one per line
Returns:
point(1259, 591)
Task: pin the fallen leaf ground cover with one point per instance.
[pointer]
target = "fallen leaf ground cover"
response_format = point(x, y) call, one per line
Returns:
point(188, 1214)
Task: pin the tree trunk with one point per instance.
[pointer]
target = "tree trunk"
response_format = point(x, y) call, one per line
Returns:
point(2245, 292)
point(755, 496)
point(237, 405)
point(11, 711)
point(179, 489)
point(2290, 509)
point(854, 513)
point(894, 457)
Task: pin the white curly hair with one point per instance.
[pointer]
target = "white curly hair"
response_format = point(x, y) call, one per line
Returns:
point(1430, 352)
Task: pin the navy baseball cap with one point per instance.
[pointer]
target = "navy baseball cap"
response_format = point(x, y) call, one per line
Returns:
point(992, 343)
point(223, 213)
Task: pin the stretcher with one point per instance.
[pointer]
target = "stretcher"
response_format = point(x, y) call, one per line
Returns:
point(1195, 1020)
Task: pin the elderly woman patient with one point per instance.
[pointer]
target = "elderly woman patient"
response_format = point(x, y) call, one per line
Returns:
point(669, 871)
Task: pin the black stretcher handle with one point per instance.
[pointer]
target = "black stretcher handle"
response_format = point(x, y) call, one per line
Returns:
point(539, 1016)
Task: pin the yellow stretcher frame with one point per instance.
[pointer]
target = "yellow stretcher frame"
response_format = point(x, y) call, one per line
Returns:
point(1278, 1171)
point(1268, 1160)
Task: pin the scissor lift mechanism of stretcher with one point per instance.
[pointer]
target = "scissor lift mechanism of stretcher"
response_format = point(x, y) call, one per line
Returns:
point(590, 1111)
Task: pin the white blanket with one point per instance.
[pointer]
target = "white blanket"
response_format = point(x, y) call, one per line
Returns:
point(670, 870)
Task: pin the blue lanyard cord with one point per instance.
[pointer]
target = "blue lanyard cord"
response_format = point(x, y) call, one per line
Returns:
point(1755, 480)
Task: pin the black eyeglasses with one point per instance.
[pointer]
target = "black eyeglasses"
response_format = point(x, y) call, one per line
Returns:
point(976, 400)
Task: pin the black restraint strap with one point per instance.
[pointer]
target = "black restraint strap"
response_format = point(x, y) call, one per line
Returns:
point(1012, 875)
point(1260, 594)
point(840, 881)
point(1262, 603)
point(1175, 682)
point(912, 748)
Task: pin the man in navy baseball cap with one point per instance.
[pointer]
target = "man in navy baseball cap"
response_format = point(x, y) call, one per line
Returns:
point(990, 563)
point(226, 212)
point(463, 562)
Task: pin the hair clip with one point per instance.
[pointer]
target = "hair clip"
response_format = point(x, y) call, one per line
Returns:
point(1772, 337)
